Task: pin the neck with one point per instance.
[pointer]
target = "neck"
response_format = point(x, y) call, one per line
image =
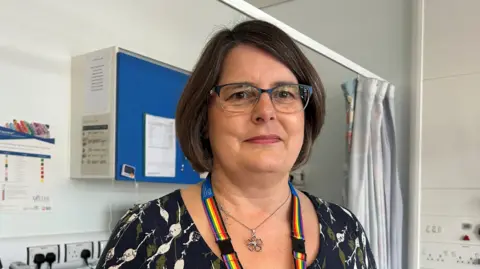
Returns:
point(252, 193)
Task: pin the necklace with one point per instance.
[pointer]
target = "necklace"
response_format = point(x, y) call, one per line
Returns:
point(254, 243)
point(224, 242)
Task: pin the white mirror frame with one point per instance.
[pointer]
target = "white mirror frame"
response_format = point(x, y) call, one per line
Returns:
point(253, 12)
point(416, 96)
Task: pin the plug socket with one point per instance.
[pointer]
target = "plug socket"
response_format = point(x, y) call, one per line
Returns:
point(45, 249)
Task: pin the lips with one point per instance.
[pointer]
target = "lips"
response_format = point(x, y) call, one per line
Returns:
point(264, 139)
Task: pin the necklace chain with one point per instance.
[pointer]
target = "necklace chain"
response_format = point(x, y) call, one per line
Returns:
point(254, 243)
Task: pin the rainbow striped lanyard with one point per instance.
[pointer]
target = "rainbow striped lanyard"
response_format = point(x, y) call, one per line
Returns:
point(229, 256)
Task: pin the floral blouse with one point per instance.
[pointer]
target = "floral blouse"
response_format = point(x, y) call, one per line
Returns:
point(161, 234)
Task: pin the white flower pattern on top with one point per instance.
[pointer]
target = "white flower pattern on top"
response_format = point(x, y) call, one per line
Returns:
point(160, 234)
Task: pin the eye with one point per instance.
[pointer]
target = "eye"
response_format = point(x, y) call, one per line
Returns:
point(240, 95)
point(238, 92)
point(286, 92)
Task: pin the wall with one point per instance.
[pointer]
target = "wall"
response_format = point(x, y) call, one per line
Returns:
point(450, 188)
point(375, 34)
point(36, 44)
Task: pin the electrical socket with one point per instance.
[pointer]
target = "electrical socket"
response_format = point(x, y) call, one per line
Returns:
point(32, 251)
point(73, 250)
point(102, 244)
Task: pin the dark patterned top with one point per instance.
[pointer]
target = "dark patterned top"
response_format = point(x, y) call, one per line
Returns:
point(161, 234)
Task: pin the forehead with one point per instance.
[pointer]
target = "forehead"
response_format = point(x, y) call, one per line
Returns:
point(249, 64)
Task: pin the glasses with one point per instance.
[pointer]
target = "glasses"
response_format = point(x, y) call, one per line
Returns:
point(242, 97)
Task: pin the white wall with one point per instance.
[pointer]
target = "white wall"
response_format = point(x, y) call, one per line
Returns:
point(37, 41)
point(377, 35)
point(451, 134)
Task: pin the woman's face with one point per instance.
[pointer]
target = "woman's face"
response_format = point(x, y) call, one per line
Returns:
point(261, 139)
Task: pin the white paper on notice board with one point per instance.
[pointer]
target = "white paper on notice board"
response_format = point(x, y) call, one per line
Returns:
point(160, 150)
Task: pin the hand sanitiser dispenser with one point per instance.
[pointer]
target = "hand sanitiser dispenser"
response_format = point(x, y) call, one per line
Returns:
point(123, 118)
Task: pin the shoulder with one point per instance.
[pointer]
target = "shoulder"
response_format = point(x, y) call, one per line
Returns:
point(133, 239)
point(331, 212)
point(336, 220)
point(155, 212)
point(342, 234)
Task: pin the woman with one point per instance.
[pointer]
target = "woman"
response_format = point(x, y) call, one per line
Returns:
point(248, 115)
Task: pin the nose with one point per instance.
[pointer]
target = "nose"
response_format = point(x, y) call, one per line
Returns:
point(263, 110)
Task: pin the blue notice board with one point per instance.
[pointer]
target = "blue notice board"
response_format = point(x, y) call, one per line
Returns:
point(144, 87)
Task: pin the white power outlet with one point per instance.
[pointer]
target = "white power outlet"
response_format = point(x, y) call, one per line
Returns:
point(102, 244)
point(32, 251)
point(73, 251)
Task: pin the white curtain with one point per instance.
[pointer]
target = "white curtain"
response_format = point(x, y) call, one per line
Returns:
point(373, 189)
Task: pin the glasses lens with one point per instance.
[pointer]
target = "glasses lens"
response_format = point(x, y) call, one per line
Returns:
point(238, 97)
point(290, 98)
point(286, 98)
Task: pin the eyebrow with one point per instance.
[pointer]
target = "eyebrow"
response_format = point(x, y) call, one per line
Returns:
point(275, 84)
point(278, 83)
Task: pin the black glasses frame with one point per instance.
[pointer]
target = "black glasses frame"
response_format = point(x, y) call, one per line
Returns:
point(218, 88)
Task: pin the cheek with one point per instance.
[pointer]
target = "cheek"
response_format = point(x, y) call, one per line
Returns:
point(296, 131)
point(223, 131)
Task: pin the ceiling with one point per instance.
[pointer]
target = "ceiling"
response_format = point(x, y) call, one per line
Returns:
point(266, 3)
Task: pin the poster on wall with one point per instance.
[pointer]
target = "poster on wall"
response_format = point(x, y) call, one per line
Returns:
point(24, 171)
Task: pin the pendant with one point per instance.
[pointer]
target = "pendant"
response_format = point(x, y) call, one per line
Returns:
point(254, 243)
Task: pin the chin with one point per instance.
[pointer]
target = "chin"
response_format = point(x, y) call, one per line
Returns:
point(266, 161)
point(266, 168)
point(264, 165)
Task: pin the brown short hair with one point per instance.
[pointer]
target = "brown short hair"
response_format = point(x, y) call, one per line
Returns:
point(192, 109)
